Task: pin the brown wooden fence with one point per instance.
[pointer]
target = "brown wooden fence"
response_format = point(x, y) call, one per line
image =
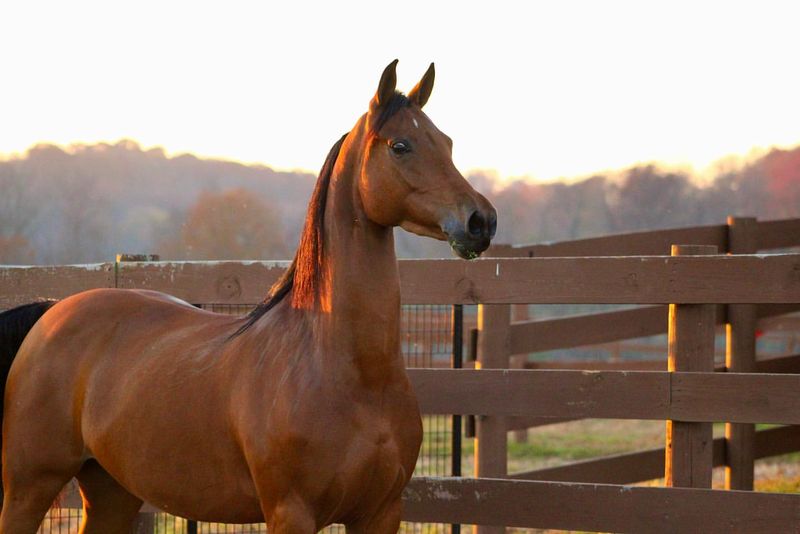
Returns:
point(690, 451)
point(695, 293)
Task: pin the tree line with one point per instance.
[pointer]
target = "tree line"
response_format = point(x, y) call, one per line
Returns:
point(86, 203)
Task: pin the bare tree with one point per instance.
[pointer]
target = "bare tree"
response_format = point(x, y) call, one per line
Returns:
point(18, 212)
point(234, 224)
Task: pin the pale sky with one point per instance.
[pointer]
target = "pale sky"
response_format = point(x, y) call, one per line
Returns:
point(538, 89)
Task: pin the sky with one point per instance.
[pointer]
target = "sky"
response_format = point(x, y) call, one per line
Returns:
point(532, 89)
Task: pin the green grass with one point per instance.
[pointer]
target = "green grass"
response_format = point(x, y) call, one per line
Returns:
point(567, 447)
point(578, 440)
point(779, 485)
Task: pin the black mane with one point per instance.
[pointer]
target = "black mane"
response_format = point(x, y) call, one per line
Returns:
point(310, 238)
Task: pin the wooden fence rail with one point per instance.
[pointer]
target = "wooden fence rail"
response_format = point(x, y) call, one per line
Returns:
point(648, 243)
point(770, 235)
point(657, 395)
point(606, 327)
point(744, 279)
point(780, 364)
point(509, 398)
point(20, 285)
point(784, 364)
point(639, 466)
point(598, 507)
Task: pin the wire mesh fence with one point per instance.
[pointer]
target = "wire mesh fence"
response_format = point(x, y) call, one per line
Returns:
point(61, 520)
point(427, 341)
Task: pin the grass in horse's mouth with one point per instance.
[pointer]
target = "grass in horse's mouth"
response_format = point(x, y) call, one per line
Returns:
point(461, 253)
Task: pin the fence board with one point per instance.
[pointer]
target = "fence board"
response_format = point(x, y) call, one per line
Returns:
point(597, 507)
point(737, 398)
point(614, 280)
point(628, 468)
point(784, 364)
point(625, 468)
point(781, 364)
point(777, 441)
point(765, 311)
point(20, 285)
point(214, 282)
point(606, 327)
point(574, 394)
point(771, 235)
point(590, 329)
point(599, 365)
point(649, 243)
point(611, 280)
point(778, 234)
point(660, 395)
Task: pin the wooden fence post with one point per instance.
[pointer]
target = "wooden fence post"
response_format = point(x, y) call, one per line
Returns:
point(519, 312)
point(689, 447)
point(740, 357)
point(491, 445)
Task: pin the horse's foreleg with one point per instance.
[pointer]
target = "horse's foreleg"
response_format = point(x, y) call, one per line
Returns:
point(109, 508)
point(27, 500)
point(291, 516)
point(385, 521)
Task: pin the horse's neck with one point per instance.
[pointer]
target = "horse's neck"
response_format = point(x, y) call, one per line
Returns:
point(360, 297)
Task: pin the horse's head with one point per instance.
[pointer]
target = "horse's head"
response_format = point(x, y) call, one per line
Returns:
point(408, 178)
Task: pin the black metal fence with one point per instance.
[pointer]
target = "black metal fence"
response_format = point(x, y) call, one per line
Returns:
point(428, 333)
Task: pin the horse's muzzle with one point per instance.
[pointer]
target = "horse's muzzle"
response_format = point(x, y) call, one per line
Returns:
point(470, 238)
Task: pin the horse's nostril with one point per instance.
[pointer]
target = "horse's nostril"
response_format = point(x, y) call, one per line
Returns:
point(475, 224)
point(492, 224)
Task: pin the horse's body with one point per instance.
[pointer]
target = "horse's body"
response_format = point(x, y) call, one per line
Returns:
point(220, 408)
point(301, 415)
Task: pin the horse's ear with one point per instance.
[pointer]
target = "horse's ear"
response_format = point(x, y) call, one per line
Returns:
point(422, 91)
point(386, 86)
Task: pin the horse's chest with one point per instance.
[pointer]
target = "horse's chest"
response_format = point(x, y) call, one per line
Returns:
point(382, 447)
point(378, 465)
point(347, 452)
point(379, 449)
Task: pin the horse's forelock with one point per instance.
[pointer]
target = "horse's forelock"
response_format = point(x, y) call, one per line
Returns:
point(386, 112)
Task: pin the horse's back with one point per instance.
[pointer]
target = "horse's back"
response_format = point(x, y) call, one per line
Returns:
point(115, 312)
point(104, 324)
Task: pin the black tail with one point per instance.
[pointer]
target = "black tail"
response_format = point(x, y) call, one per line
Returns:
point(14, 326)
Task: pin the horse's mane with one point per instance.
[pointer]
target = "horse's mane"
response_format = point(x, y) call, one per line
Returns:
point(302, 277)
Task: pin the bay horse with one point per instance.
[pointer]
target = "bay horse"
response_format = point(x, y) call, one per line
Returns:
point(301, 413)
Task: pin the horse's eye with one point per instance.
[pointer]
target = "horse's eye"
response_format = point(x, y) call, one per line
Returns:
point(400, 147)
